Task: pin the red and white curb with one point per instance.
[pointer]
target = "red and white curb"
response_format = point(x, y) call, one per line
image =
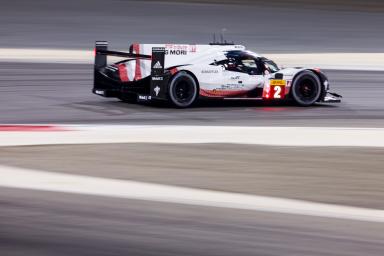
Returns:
point(31, 128)
point(20, 135)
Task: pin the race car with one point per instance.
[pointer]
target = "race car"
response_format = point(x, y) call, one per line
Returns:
point(184, 73)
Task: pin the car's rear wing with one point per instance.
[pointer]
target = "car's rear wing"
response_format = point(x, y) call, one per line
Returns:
point(101, 53)
point(159, 82)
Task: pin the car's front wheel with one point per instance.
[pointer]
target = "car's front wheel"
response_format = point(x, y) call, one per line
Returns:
point(183, 90)
point(306, 88)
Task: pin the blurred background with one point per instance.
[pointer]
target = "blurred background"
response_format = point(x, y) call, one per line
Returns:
point(46, 78)
point(265, 26)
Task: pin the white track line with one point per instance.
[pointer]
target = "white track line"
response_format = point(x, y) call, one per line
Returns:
point(344, 61)
point(338, 61)
point(275, 136)
point(56, 182)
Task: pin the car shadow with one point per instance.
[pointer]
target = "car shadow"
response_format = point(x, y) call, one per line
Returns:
point(238, 104)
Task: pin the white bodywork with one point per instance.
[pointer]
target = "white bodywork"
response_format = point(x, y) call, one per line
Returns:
point(214, 80)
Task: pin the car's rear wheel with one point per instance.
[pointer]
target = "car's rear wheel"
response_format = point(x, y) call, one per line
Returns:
point(183, 90)
point(306, 88)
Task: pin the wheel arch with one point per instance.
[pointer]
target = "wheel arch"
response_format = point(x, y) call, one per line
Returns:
point(191, 76)
point(322, 79)
point(189, 73)
point(319, 75)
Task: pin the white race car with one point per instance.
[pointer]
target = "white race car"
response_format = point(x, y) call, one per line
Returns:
point(184, 73)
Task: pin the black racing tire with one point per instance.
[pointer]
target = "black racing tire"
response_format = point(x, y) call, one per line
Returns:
point(306, 88)
point(128, 98)
point(183, 90)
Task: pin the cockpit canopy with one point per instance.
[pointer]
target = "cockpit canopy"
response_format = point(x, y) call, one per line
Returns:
point(247, 62)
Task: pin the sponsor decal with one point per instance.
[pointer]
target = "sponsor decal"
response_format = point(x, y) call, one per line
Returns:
point(157, 78)
point(100, 92)
point(230, 86)
point(278, 83)
point(157, 49)
point(192, 48)
point(209, 71)
point(275, 90)
point(144, 97)
point(235, 77)
point(157, 65)
point(175, 52)
point(177, 47)
point(157, 90)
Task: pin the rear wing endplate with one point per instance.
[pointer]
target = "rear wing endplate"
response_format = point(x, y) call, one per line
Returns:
point(159, 82)
point(101, 53)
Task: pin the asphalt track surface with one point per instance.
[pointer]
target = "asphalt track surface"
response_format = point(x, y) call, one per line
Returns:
point(61, 93)
point(33, 223)
point(44, 223)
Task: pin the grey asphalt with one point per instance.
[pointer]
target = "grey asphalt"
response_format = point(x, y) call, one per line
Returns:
point(61, 93)
point(43, 223)
point(263, 26)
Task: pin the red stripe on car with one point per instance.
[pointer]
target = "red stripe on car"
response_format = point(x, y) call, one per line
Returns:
point(123, 73)
point(221, 93)
point(136, 49)
point(173, 71)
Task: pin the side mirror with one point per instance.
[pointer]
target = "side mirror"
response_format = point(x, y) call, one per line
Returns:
point(279, 76)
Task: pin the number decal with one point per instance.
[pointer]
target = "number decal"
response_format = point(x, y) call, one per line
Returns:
point(276, 89)
point(277, 94)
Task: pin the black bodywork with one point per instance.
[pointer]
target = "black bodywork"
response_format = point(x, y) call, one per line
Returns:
point(107, 81)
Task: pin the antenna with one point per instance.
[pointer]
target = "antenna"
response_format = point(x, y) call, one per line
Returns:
point(222, 35)
point(222, 40)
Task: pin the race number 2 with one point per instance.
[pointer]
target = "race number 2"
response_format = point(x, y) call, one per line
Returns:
point(278, 88)
point(277, 94)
